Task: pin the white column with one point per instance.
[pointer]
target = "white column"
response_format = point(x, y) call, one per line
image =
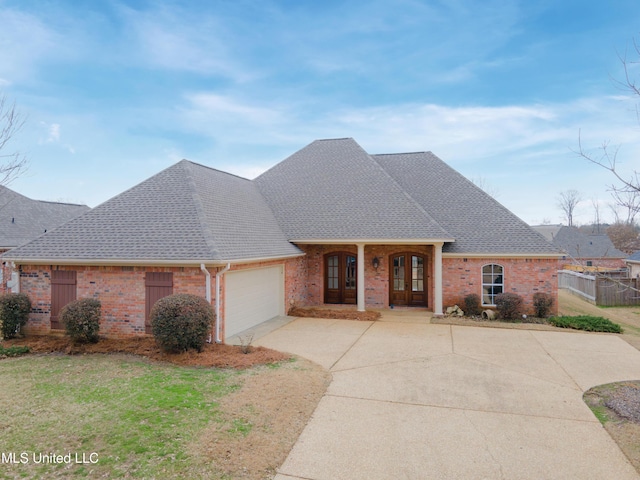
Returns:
point(360, 278)
point(437, 279)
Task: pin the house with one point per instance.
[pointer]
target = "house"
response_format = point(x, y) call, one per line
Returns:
point(23, 219)
point(583, 251)
point(331, 224)
point(633, 264)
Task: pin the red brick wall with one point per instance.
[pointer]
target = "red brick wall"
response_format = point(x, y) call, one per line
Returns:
point(614, 263)
point(121, 290)
point(524, 276)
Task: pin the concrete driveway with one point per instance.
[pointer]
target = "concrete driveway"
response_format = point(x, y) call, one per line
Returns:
point(413, 400)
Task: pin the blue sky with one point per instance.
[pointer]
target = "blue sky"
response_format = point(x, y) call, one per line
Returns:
point(115, 91)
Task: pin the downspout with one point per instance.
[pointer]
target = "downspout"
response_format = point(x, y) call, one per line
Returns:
point(218, 276)
point(207, 292)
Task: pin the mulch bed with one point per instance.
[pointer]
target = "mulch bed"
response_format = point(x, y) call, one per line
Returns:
point(311, 312)
point(213, 355)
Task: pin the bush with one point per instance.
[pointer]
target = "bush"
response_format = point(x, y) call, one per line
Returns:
point(14, 313)
point(472, 305)
point(587, 323)
point(81, 319)
point(509, 306)
point(181, 322)
point(13, 351)
point(542, 303)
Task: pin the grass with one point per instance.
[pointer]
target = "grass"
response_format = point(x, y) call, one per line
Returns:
point(139, 418)
point(586, 322)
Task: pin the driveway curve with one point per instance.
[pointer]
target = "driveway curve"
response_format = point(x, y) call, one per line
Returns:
point(413, 400)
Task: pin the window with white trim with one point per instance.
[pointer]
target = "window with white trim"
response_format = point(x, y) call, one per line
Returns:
point(492, 283)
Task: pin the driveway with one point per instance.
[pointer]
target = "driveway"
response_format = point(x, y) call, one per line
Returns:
point(413, 400)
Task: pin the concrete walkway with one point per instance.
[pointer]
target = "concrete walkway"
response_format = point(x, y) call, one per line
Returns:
point(412, 400)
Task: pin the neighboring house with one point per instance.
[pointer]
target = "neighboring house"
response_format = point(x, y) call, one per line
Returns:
point(583, 251)
point(331, 224)
point(633, 264)
point(23, 219)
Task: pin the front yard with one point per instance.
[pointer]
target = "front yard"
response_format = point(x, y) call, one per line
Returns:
point(121, 416)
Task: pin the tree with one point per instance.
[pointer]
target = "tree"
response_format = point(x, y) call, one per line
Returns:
point(12, 164)
point(567, 202)
point(606, 155)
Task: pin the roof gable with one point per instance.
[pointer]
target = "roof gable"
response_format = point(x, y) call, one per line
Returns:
point(478, 222)
point(333, 189)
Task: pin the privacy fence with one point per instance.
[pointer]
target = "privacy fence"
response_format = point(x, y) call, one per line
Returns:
point(607, 291)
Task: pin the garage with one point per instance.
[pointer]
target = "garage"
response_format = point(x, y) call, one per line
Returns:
point(252, 297)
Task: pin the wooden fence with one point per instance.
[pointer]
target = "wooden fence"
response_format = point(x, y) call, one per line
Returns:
point(601, 290)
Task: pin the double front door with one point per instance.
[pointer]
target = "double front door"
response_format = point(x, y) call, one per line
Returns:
point(340, 278)
point(407, 282)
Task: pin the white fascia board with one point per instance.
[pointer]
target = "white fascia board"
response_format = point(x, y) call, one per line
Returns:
point(143, 262)
point(372, 241)
point(502, 255)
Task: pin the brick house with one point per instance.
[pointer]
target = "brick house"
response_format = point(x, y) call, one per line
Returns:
point(330, 224)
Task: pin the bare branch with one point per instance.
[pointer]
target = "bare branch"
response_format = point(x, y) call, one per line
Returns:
point(567, 202)
point(11, 121)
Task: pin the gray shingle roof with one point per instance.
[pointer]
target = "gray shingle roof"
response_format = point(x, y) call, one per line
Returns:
point(187, 212)
point(477, 221)
point(333, 189)
point(580, 245)
point(23, 219)
point(635, 257)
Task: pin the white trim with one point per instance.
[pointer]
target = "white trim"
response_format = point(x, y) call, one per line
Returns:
point(360, 278)
point(143, 262)
point(372, 241)
point(437, 279)
point(502, 255)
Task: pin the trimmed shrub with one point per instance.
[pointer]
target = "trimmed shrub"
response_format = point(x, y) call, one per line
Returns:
point(472, 305)
point(509, 306)
point(542, 303)
point(181, 322)
point(81, 320)
point(14, 313)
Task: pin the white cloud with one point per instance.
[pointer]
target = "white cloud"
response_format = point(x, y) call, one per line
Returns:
point(54, 133)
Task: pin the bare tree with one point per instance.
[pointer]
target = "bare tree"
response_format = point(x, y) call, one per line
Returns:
point(567, 202)
point(596, 214)
point(12, 164)
point(606, 155)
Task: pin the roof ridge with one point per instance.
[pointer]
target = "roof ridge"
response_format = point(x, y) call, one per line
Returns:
point(185, 160)
point(197, 202)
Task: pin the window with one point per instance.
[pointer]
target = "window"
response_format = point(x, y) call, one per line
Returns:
point(492, 283)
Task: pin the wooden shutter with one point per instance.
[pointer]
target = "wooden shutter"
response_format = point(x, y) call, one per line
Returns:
point(63, 291)
point(157, 285)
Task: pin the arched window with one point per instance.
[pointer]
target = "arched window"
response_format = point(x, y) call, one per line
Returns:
point(492, 283)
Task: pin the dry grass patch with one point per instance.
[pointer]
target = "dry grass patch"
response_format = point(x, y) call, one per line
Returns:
point(315, 312)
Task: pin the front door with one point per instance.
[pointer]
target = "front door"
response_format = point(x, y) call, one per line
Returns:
point(408, 285)
point(340, 278)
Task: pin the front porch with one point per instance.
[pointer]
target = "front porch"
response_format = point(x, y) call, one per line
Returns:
point(372, 275)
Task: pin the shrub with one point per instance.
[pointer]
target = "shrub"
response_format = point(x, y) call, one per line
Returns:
point(14, 313)
point(472, 305)
point(81, 319)
point(509, 306)
point(542, 303)
point(587, 323)
point(13, 351)
point(181, 322)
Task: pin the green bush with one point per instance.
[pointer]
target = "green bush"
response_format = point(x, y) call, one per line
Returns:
point(81, 319)
point(181, 322)
point(509, 306)
point(472, 305)
point(13, 351)
point(542, 303)
point(14, 313)
point(587, 323)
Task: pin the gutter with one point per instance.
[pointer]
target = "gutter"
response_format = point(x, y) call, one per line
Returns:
point(219, 274)
point(207, 292)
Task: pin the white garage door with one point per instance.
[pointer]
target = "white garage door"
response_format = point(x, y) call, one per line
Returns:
point(252, 297)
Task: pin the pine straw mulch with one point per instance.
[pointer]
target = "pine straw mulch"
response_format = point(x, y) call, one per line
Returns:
point(213, 355)
point(313, 312)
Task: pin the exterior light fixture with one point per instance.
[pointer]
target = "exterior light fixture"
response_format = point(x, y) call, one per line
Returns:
point(376, 263)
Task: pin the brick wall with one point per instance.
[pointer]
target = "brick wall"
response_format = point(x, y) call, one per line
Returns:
point(524, 276)
point(121, 290)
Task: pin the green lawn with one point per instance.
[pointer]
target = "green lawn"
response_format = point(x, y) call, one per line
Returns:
point(132, 418)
